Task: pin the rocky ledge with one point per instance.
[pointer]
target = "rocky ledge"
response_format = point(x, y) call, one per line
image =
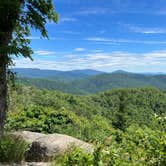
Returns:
point(42, 147)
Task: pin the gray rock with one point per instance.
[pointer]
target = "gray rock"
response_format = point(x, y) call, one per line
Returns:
point(29, 136)
point(44, 147)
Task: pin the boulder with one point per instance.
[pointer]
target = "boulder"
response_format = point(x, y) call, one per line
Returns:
point(45, 147)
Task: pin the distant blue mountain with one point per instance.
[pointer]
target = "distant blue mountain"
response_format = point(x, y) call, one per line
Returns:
point(88, 81)
point(142, 73)
point(55, 74)
point(120, 71)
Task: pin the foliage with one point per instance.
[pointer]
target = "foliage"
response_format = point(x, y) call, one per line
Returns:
point(91, 118)
point(134, 147)
point(79, 84)
point(12, 148)
point(127, 126)
point(17, 18)
point(74, 156)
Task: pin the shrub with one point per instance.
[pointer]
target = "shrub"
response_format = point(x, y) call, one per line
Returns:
point(74, 157)
point(12, 148)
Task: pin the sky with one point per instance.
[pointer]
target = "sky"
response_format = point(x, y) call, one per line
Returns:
point(105, 35)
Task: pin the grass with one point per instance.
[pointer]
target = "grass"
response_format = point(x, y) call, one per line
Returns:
point(12, 148)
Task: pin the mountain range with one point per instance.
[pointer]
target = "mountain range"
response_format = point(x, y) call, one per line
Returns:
point(88, 81)
point(55, 74)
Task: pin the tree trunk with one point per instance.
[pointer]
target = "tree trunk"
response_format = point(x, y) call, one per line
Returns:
point(9, 14)
point(4, 60)
point(3, 93)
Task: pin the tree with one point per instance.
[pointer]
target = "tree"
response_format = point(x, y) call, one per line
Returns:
point(120, 117)
point(17, 18)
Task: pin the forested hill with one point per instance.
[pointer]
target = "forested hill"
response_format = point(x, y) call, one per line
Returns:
point(124, 124)
point(86, 117)
point(98, 83)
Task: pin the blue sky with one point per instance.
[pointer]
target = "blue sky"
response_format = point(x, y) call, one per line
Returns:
point(104, 35)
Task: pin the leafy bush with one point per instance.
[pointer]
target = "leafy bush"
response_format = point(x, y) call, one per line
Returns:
point(12, 148)
point(134, 147)
point(134, 121)
point(73, 157)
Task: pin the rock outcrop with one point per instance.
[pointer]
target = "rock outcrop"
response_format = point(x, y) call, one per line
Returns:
point(44, 147)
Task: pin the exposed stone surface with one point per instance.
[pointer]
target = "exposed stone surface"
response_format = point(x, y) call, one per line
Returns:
point(29, 136)
point(44, 147)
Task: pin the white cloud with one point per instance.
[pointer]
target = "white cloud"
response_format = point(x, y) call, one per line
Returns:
point(152, 61)
point(97, 51)
point(42, 38)
point(44, 52)
point(79, 49)
point(68, 19)
point(98, 39)
point(121, 41)
point(146, 30)
point(93, 11)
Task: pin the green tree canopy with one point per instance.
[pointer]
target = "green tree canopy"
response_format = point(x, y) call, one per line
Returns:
point(17, 18)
